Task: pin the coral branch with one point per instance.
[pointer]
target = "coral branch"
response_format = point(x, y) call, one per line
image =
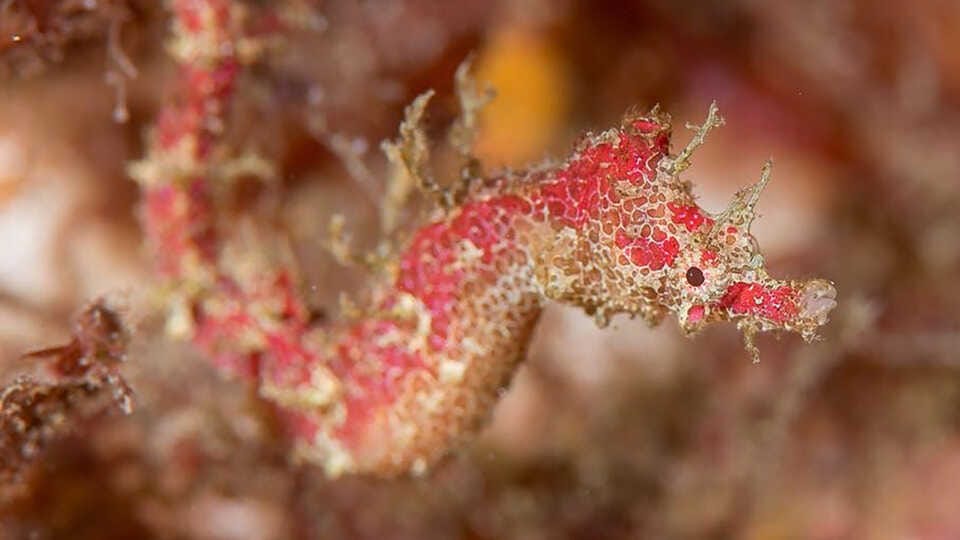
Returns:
point(611, 229)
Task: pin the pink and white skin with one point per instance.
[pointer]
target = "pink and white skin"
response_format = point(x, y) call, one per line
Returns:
point(395, 384)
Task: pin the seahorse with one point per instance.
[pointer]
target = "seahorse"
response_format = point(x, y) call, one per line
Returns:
point(398, 382)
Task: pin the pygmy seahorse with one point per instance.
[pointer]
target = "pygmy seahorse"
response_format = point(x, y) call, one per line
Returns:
point(394, 386)
point(613, 229)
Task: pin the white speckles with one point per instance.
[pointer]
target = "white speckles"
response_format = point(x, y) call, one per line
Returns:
point(323, 390)
point(469, 253)
point(471, 346)
point(451, 371)
point(336, 460)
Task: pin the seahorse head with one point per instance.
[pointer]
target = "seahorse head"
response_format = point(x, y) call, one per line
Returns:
point(629, 237)
point(720, 274)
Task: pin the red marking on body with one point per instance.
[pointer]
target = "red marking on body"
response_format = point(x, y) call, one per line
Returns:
point(427, 272)
point(187, 12)
point(688, 215)
point(285, 360)
point(709, 258)
point(428, 268)
point(778, 305)
point(177, 219)
point(298, 425)
point(372, 390)
point(173, 125)
point(212, 331)
point(639, 152)
point(217, 83)
point(577, 194)
point(194, 14)
point(581, 189)
point(649, 254)
point(695, 314)
point(374, 357)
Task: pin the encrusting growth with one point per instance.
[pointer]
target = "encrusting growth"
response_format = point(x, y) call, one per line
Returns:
point(398, 383)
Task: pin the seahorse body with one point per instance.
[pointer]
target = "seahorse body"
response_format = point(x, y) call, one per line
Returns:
point(392, 388)
point(612, 229)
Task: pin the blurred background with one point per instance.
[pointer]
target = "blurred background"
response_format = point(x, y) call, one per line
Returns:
point(626, 432)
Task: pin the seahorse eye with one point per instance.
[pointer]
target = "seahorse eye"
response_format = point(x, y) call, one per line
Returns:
point(695, 276)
